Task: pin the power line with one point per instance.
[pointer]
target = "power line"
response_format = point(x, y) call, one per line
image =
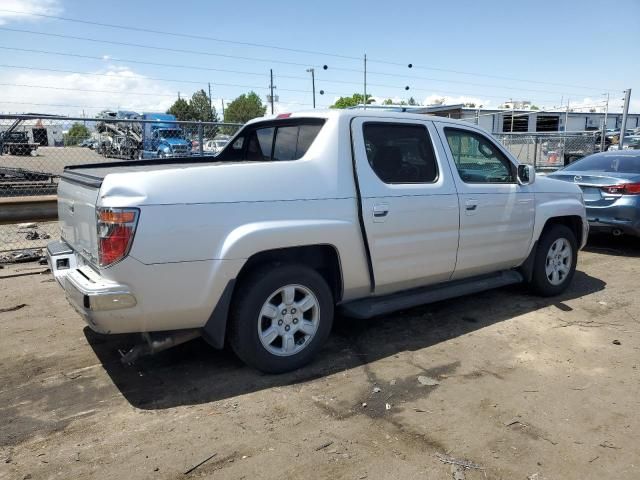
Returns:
point(141, 62)
point(152, 47)
point(5, 102)
point(197, 67)
point(143, 77)
point(296, 50)
point(202, 82)
point(183, 35)
point(51, 87)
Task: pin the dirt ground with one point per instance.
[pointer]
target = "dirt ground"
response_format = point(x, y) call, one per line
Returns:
point(522, 387)
point(52, 159)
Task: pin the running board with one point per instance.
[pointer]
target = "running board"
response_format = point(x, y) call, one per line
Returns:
point(374, 306)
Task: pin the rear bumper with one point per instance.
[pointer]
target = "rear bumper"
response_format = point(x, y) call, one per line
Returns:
point(155, 297)
point(624, 216)
point(92, 296)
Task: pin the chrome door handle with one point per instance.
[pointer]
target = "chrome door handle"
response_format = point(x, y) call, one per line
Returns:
point(471, 205)
point(381, 210)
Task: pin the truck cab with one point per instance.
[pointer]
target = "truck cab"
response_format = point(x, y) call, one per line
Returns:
point(164, 139)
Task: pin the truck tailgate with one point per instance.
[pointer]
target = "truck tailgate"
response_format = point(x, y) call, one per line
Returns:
point(77, 216)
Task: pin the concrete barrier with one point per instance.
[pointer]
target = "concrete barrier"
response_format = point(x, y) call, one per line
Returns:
point(28, 209)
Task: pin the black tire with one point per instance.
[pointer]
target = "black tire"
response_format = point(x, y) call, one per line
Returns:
point(540, 282)
point(249, 298)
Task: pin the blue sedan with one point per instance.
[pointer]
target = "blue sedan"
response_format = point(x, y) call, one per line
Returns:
point(610, 183)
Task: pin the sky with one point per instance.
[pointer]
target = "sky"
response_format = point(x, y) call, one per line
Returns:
point(484, 52)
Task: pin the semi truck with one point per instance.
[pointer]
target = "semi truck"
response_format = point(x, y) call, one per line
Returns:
point(159, 136)
point(163, 137)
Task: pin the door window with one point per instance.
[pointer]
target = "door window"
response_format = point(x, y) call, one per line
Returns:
point(400, 153)
point(477, 159)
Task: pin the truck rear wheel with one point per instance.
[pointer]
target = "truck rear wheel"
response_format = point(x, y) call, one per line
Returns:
point(280, 317)
point(555, 262)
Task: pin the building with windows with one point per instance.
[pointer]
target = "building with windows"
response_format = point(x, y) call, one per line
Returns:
point(522, 120)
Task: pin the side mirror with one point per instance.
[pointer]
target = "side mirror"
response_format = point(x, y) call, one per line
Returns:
point(526, 174)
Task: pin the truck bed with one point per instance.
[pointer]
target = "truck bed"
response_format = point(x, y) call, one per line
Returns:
point(93, 173)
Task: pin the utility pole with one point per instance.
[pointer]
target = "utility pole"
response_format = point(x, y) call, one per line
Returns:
point(365, 81)
point(313, 84)
point(271, 88)
point(178, 95)
point(513, 111)
point(625, 112)
point(222, 108)
point(210, 102)
point(604, 126)
point(564, 137)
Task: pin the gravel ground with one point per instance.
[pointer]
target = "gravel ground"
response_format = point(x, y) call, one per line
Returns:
point(520, 386)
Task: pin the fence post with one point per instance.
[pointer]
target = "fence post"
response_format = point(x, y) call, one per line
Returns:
point(200, 146)
point(535, 152)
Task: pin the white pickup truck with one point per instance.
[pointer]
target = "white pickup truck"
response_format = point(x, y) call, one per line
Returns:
point(362, 210)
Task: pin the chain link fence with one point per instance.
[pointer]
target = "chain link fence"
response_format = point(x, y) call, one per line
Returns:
point(34, 149)
point(549, 151)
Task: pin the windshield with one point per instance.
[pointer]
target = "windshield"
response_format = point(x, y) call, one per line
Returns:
point(170, 133)
point(606, 163)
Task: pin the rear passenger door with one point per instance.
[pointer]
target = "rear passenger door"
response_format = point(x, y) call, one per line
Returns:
point(409, 202)
point(496, 213)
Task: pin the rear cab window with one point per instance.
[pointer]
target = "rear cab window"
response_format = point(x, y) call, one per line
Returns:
point(275, 140)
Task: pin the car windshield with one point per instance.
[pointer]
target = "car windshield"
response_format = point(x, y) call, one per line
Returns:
point(606, 163)
point(170, 133)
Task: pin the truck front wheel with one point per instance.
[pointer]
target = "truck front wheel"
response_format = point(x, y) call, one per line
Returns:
point(555, 262)
point(281, 316)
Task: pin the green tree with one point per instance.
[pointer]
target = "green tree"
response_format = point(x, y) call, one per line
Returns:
point(534, 107)
point(201, 108)
point(412, 101)
point(352, 101)
point(470, 105)
point(76, 134)
point(388, 101)
point(244, 108)
point(181, 110)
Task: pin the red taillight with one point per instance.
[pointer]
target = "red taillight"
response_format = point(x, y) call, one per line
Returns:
point(622, 189)
point(116, 228)
point(283, 115)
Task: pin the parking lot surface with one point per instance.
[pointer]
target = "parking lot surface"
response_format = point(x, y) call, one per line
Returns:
point(511, 385)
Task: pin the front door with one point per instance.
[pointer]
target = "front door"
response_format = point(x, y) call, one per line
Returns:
point(409, 202)
point(496, 213)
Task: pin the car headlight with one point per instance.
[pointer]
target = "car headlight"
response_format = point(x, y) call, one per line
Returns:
point(166, 149)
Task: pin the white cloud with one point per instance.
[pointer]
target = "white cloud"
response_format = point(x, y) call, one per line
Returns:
point(450, 100)
point(11, 10)
point(114, 88)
